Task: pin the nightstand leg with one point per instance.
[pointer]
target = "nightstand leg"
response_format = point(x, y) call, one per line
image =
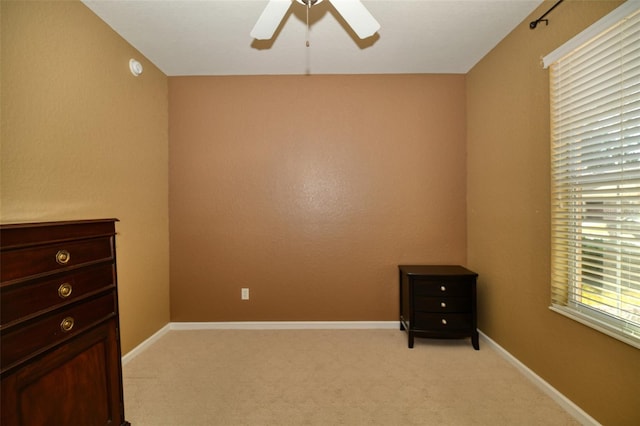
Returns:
point(475, 341)
point(410, 339)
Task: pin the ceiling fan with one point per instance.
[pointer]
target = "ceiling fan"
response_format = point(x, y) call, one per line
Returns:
point(353, 11)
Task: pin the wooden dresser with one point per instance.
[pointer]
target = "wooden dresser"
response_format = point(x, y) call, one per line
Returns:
point(60, 343)
point(438, 301)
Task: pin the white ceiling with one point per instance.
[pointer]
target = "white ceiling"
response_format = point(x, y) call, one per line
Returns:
point(211, 37)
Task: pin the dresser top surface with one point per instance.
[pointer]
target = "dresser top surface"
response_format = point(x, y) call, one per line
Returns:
point(20, 235)
point(436, 270)
point(28, 224)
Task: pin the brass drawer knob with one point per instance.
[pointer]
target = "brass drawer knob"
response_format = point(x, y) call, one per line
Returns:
point(65, 290)
point(443, 305)
point(63, 257)
point(67, 324)
point(444, 321)
point(443, 288)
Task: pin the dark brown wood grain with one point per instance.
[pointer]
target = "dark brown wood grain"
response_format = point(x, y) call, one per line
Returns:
point(60, 346)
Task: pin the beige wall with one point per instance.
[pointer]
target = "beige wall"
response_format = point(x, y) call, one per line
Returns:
point(82, 138)
point(509, 220)
point(310, 190)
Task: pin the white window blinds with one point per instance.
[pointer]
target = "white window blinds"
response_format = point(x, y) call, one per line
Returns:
point(595, 165)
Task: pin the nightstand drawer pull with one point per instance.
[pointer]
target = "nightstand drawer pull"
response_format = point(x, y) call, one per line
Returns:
point(443, 288)
point(67, 324)
point(63, 257)
point(444, 321)
point(443, 305)
point(65, 290)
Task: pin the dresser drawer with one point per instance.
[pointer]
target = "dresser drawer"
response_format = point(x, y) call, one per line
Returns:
point(442, 322)
point(20, 343)
point(444, 287)
point(442, 304)
point(25, 300)
point(35, 261)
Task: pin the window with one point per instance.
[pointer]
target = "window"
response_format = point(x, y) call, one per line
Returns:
point(595, 174)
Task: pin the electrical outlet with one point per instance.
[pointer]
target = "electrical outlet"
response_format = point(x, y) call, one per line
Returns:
point(244, 294)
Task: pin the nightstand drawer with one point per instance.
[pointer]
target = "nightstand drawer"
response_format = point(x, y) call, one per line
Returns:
point(442, 304)
point(442, 287)
point(444, 322)
point(26, 300)
point(37, 261)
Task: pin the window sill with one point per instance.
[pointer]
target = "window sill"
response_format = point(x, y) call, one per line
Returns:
point(596, 325)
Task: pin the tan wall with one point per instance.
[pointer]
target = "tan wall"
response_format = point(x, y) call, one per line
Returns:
point(509, 222)
point(82, 138)
point(310, 190)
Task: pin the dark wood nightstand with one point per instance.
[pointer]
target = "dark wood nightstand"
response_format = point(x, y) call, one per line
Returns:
point(438, 301)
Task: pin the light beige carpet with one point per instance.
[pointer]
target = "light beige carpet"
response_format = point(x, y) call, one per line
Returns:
point(327, 377)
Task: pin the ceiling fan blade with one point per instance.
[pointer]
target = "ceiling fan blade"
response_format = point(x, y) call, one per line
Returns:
point(270, 19)
point(357, 16)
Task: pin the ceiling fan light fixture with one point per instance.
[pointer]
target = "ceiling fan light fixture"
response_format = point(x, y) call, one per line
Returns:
point(352, 11)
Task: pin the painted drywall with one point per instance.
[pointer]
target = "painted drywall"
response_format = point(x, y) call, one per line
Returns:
point(83, 138)
point(509, 222)
point(309, 191)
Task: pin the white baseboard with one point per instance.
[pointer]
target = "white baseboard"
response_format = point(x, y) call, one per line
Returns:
point(285, 325)
point(144, 345)
point(576, 412)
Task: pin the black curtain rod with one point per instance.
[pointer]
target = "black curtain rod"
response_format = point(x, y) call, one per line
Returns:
point(535, 23)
